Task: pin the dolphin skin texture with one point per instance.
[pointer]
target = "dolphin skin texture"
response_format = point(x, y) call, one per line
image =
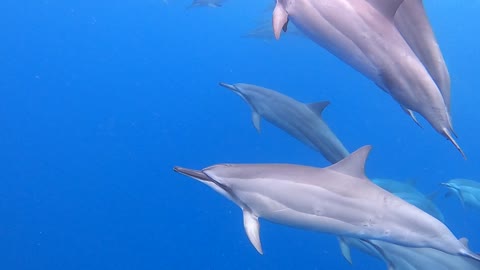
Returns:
point(363, 34)
point(302, 121)
point(468, 191)
point(338, 199)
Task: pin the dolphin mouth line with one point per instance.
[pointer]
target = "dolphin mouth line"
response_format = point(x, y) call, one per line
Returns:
point(192, 173)
point(229, 86)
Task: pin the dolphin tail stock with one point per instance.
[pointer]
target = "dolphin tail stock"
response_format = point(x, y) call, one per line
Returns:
point(448, 135)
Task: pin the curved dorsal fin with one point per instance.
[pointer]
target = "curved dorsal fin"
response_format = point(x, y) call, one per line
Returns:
point(354, 164)
point(318, 107)
point(464, 241)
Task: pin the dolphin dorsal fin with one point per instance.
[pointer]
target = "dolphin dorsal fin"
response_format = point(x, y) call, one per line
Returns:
point(252, 228)
point(387, 8)
point(318, 107)
point(464, 241)
point(354, 164)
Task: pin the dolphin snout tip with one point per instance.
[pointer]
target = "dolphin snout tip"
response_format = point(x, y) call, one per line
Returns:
point(229, 86)
point(199, 175)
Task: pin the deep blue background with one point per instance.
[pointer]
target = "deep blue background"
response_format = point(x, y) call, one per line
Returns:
point(100, 99)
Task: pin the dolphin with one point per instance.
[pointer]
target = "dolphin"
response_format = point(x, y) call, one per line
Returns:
point(406, 258)
point(409, 193)
point(302, 121)
point(363, 34)
point(468, 191)
point(338, 199)
point(412, 22)
point(206, 3)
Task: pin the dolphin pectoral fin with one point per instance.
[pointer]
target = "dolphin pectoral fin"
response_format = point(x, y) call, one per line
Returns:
point(318, 107)
point(390, 265)
point(447, 134)
point(252, 228)
point(280, 20)
point(256, 119)
point(345, 249)
point(410, 113)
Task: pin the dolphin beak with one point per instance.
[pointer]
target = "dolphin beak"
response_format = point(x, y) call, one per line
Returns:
point(448, 185)
point(199, 175)
point(229, 86)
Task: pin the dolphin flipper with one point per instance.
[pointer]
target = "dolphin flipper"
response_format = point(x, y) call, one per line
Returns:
point(256, 119)
point(252, 228)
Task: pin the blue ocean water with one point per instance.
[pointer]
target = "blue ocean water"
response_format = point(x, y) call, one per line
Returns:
point(100, 99)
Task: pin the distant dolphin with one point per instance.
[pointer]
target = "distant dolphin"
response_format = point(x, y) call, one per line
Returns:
point(338, 199)
point(468, 191)
point(302, 121)
point(206, 3)
point(412, 22)
point(362, 33)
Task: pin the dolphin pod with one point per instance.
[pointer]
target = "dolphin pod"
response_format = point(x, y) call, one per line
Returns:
point(338, 199)
point(302, 121)
point(390, 42)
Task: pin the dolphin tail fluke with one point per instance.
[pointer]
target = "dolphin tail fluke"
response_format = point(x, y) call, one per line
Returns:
point(447, 134)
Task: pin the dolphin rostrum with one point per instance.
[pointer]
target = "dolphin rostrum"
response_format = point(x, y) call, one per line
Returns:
point(363, 34)
point(468, 191)
point(302, 121)
point(338, 199)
